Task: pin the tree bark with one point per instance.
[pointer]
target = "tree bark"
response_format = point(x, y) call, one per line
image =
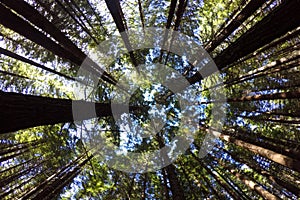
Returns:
point(28, 61)
point(278, 22)
point(17, 24)
point(235, 22)
point(40, 21)
point(276, 157)
point(19, 111)
point(115, 10)
point(259, 97)
point(273, 178)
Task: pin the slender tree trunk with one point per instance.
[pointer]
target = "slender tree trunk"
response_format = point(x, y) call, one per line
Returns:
point(247, 181)
point(115, 10)
point(273, 178)
point(278, 41)
point(13, 22)
point(276, 157)
point(165, 182)
point(141, 13)
point(17, 24)
point(260, 118)
point(176, 188)
point(40, 21)
point(171, 13)
point(179, 13)
point(254, 186)
point(265, 31)
point(6, 180)
point(64, 181)
point(235, 22)
point(259, 97)
point(84, 28)
point(278, 147)
point(9, 74)
point(223, 182)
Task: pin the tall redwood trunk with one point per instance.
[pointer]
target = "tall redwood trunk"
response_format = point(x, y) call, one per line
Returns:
point(278, 22)
point(19, 111)
point(247, 11)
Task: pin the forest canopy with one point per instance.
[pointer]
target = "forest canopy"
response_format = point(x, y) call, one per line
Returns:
point(115, 99)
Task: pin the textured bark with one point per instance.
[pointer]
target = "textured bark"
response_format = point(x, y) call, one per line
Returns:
point(276, 157)
point(273, 178)
point(254, 186)
point(266, 143)
point(19, 111)
point(247, 181)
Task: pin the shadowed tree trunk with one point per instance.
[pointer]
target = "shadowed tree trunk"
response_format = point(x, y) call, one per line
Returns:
point(276, 157)
point(40, 21)
point(246, 180)
point(259, 97)
point(17, 24)
point(28, 61)
point(270, 175)
point(13, 22)
point(19, 111)
point(115, 10)
point(235, 22)
point(264, 32)
point(222, 182)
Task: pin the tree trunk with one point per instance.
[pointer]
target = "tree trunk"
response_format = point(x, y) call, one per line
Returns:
point(17, 24)
point(176, 188)
point(235, 22)
point(40, 21)
point(278, 147)
point(265, 31)
point(276, 157)
point(254, 186)
point(259, 97)
point(19, 111)
point(115, 10)
point(28, 61)
point(273, 178)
